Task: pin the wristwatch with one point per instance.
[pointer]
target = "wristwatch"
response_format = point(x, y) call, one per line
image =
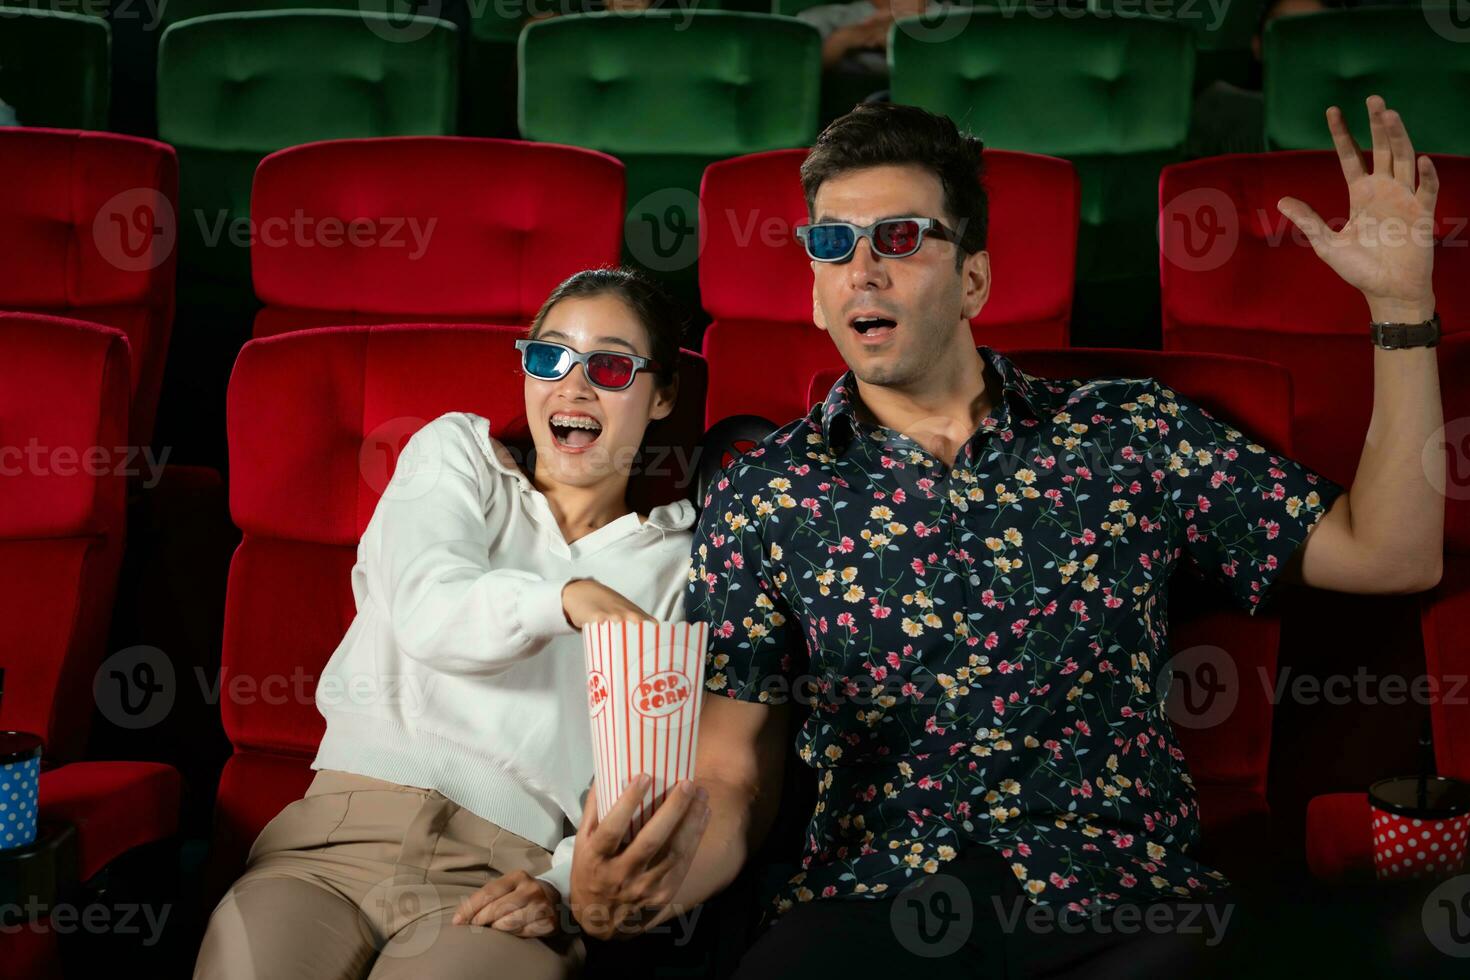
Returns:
point(1393, 336)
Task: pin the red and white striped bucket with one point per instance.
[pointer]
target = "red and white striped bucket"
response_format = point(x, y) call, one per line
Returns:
point(644, 686)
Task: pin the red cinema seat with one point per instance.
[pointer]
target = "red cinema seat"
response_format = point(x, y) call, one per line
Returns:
point(63, 432)
point(316, 421)
point(87, 227)
point(1236, 280)
point(755, 280)
point(1339, 845)
point(1229, 760)
point(437, 229)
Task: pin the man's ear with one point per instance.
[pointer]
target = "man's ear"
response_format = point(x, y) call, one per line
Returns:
point(817, 316)
point(975, 274)
point(664, 397)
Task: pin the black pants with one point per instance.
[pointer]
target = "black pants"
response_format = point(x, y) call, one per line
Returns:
point(971, 920)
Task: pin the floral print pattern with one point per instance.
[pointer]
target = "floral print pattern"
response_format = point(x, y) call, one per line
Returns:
point(979, 644)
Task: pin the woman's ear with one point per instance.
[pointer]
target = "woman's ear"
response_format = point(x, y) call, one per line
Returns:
point(664, 397)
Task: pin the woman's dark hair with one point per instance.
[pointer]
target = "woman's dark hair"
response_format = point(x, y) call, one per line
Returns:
point(650, 304)
point(876, 134)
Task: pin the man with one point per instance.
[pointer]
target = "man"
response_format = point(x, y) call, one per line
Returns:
point(981, 604)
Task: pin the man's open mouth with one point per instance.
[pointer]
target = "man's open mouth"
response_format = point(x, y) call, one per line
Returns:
point(572, 431)
point(873, 326)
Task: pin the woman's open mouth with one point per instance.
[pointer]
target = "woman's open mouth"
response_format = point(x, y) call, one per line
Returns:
point(574, 433)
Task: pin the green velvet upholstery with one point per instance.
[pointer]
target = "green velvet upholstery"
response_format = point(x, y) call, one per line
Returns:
point(55, 67)
point(669, 92)
point(1110, 94)
point(1408, 55)
point(235, 87)
point(1222, 32)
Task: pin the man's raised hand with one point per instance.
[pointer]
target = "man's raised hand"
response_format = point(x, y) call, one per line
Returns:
point(1386, 249)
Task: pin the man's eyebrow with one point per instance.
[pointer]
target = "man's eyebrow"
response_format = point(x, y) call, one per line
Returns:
point(887, 217)
point(601, 340)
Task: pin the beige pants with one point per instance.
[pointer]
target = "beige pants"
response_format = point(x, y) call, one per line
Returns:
point(360, 878)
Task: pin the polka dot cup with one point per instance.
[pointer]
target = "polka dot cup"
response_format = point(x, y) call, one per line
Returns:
point(1419, 827)
point(20, 773)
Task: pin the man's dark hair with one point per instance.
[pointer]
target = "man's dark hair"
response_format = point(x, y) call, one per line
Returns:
point(876, 134)
point(646, 298)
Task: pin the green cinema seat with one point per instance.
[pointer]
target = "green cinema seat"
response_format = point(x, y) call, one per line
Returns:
point(1222, 32)
point(235, 87)
point(55, 67)
point(1417, 58)
point(668, 93)
point(1110, 94)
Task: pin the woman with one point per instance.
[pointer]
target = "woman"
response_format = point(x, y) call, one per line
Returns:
point(434, 839)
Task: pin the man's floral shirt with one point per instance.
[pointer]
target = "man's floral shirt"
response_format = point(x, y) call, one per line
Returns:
point(980, 644)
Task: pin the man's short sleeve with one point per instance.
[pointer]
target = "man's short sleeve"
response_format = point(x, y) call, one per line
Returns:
point(734, 586)
point(1242, 511)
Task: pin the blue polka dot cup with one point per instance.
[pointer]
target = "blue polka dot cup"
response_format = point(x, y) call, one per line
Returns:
point(20, 777)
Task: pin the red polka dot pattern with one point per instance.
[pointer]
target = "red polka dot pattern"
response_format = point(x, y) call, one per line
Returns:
point(1410, 847)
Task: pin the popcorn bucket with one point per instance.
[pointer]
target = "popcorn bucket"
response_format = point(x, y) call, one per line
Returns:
point(20, 775)
point(1419, 826)
point(644, 682)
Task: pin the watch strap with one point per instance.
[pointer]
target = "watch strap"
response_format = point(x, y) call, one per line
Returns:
point(1393, 336)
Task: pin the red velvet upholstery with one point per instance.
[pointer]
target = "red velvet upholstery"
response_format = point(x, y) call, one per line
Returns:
point(499, 223)
point(63, 486)
point(1235, 280)
point(756, 282)
point(316, 421)
point(63, 391)
point(115, 806)
point(1228, 761)
point(1338, 844)
point(73, 209)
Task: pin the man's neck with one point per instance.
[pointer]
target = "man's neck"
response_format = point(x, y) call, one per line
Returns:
point(942, 410)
